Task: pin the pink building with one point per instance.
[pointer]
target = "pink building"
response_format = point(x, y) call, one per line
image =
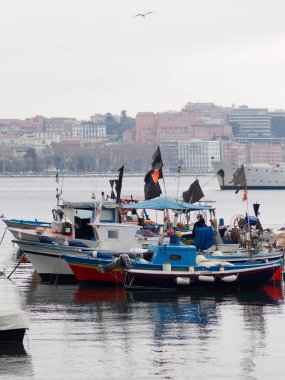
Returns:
point(28, 125)
point(264, 153)
point(177, 126)
point(145, 128)
point(210, 132)
point(129, 135)
point(166, 126)
point(233, 152)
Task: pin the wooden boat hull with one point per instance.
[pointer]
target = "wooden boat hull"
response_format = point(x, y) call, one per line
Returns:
point(91, 273)
point(236, 278)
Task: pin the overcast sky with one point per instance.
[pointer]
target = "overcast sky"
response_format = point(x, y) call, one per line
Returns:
point(80, 57)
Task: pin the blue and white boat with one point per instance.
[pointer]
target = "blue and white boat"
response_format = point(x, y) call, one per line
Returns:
point(173, 265)
point(178, 266)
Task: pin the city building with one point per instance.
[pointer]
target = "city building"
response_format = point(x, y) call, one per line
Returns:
point(166, 126)
point(250, 124)
point(88, 132)
point(264, 153)
point(193, 156)
point(206, 113)
point(61, 126)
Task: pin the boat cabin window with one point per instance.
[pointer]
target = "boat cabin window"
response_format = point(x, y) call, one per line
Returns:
point(82, 219)
point(107, 215)
point(113, 234)
point(175, 257)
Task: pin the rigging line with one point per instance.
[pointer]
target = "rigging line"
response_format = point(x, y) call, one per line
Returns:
point(3, 235)
point(178, 183)
point(62, 183)
point(23, 254)
point(211, 179)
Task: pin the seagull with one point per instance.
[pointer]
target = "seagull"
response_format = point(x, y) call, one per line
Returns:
point(143, 14)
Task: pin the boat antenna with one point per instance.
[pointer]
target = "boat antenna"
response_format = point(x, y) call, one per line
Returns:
point(62, 183)
point(178, 170)
point(57, 182)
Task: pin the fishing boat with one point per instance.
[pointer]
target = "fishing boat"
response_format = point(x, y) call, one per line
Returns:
point(70, 223)
point(179, 258)
point(48, 258)
point(85, 224)
point(26, 224)
point(175, 266)
point(13, 325)
point(258, 176)
point(45, 252)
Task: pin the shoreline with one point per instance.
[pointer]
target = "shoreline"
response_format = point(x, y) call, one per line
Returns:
point(99, 175)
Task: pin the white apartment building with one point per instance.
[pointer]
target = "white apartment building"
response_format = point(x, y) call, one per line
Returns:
point(60, 126)
point(198, 155)
point(193, 156)
point(88, 132)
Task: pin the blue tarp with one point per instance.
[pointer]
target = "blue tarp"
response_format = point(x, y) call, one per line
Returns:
point(204, 237)
point(164, 203)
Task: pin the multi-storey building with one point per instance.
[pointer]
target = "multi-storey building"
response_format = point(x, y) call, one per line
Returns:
point(193, 156)
point(250, 124)
point(233, 152)
point(166, 126)
point(16, 125)
point(88, 132)
point(264, 153)
point(60, 126)
point(206, 113)
point(203, 121)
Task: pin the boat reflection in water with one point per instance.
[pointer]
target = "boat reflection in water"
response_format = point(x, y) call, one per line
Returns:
point(85, 294)
point(14, 361)
point(160, 329)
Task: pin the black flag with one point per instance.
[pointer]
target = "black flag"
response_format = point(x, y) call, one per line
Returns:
point(256, 208)
point(157, 162)
point(239, 177)
point(119, 184)
point(194, 193)
point(112, 182)
point(152, 188)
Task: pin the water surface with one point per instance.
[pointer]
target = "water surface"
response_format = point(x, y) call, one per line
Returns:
point(84, 332)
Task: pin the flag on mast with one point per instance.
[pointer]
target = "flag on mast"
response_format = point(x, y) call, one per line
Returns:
point(152, 188)
point(119, 184)
point(239, 179)
point(112, 183)
point(57, 177)
point(194, 193)
point(244, 195)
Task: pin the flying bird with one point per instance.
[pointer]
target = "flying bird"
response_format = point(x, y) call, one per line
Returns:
point(143, 14)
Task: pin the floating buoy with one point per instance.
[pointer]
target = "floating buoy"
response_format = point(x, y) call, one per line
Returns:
point(166, 267)
point(231, 278)
point(217, 253)
point(200, 259)
point(206, 278)
point(182, 280)
point(94, 254)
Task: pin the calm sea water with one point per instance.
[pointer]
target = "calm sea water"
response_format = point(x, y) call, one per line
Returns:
point(85, 333)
